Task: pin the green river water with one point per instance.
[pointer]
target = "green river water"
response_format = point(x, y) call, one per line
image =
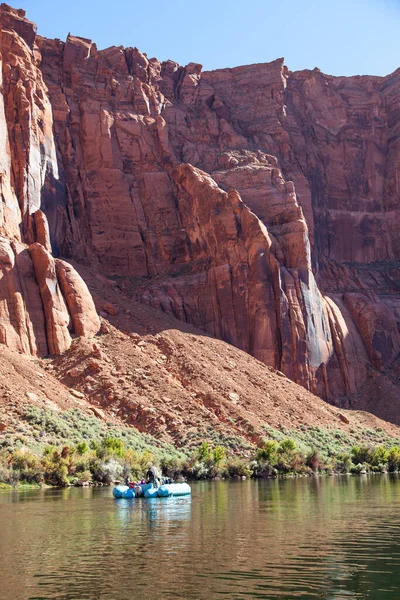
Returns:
point(328, 538)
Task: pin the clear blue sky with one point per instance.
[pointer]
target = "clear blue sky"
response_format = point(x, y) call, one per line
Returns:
point(341, 37)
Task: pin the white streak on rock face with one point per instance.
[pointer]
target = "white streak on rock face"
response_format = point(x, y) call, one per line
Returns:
point(10, 215)
point(42, 163)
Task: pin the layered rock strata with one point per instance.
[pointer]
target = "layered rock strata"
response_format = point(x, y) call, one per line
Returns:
point(258, 204)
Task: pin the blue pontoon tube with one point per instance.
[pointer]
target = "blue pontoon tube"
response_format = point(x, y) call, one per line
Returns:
point(149, 490)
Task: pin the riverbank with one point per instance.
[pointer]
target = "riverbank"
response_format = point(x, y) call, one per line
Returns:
point(72, 448)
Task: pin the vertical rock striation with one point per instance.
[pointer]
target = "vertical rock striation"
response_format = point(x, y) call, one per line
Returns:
point(34, 318)
point(258, 204)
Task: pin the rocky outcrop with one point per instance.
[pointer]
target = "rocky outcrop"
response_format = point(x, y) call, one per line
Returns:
point(22, 323)
point(42, 230)
point(28, 148)
point(55, 309)
point(34, 318)
point(85, 321)
point(258, 204)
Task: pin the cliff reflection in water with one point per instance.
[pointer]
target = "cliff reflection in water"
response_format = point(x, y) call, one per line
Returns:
point(326, 538)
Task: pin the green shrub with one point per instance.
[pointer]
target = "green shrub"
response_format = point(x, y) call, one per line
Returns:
point(171, 466)
point(342, 463)
point(287, 446)
point(198, 470)
point(218, 455)
point(82, 448)
point(136, 464)
point(107, 471)
point(313, 460)
point(84, 477)
point(204, 451)
point(238, 467)
point(27, 465)
point(361, 454)
point(7, 474)
point(267, 455)
point(55, 469)
point(394, 459)
point(113, 446)
point(379, 457)
point(288, 459)
point(356, 469)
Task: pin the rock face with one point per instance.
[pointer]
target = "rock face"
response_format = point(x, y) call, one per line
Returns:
point(34, 318)
point(55, 309)
point(85, 321)
point(259, 204)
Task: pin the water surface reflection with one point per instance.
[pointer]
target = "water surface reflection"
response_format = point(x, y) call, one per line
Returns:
point(326, 538)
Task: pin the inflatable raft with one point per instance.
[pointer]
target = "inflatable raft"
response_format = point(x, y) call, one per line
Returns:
point(148, 490)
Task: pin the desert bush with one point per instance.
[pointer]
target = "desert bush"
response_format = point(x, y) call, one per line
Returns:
point(81, 465)
point(268, 453)
point(107, 471)
point(287, 446)
point(82, 448)
point(7, 473)
point(55, 468)
point(361, 454)
point(27, 465)
point(379, 457)
point(394, 459)
point(266, 457)
point(204, 452)
point(314, 461)
point(84, 477)
point(171, 466)
point(218, 455)
point(113, 446)
point(198, 470)
point(282, 458)
point(342, 463)
point(136, 463)
point(289, 460)
point(357, 469)
point(238, 467)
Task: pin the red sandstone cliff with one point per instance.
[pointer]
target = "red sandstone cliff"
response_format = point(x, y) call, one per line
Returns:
point(34, 317)
point(258, 204)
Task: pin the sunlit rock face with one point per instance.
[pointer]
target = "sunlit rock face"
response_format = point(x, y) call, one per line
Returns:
point(258, 204)
point(34, 318)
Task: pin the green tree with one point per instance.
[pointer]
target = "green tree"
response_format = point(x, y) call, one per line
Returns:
point(379, 457)
point(204, 451)
point(361, 454)
point(218, 455)
point(268, 453)
point(394, 459)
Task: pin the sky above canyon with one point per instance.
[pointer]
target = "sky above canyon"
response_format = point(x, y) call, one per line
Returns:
point(341, 37)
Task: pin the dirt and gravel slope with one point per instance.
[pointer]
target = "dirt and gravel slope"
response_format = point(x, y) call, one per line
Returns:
point(163, 377)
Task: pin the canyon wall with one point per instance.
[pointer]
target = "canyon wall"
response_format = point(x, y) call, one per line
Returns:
point(35, 317)
point(258, 204)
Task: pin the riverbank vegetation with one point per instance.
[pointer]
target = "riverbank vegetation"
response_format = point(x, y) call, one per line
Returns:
point(73, 448)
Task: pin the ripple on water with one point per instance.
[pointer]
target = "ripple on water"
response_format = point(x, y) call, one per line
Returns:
point(329, 539)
